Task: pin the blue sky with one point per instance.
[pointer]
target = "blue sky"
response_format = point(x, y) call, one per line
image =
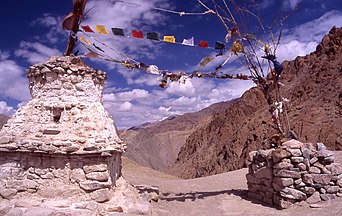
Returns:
point(31, 32)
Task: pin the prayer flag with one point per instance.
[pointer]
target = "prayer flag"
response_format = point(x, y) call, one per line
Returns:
point(236, 48)
point(219, 45)
point(137, 34)
point(189, 42)
point(98, 47)
point(87, 28)
point(91, 54)
point(203, 44)
point(152, 36)
point(118, 31)
point(170, 39)
point(85, 40)
point(101, 29)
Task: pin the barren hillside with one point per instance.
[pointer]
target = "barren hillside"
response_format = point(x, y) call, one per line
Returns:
point(157, 145)
point(3, 120)
point(313, 84)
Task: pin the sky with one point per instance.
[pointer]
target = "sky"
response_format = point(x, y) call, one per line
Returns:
point(31, 33)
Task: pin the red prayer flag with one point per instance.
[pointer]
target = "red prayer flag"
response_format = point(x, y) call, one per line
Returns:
point(87, 28)
point(137, 34)
point(203, 44)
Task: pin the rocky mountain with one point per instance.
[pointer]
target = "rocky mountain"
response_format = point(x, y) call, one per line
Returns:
point(3, 120)
point(313, 85)
point(157, 144)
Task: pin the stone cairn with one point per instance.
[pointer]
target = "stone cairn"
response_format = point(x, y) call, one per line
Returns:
point(63, 143)
point(292, 173)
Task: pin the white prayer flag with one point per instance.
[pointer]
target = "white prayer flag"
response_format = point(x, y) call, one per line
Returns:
point(189, 42)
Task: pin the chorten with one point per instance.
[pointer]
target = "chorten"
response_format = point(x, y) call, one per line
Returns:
point(62, 143)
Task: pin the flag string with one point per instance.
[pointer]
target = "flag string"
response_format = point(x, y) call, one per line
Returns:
point(180, 13)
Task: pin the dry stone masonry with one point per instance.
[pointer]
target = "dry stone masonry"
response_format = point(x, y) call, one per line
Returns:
point(292, 173)
point(62, 144)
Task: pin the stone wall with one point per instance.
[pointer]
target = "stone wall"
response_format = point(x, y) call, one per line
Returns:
point(292, 173)
point(85, 177)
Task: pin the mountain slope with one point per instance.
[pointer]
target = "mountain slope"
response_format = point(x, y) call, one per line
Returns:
point(157, 144)
point(313, 84)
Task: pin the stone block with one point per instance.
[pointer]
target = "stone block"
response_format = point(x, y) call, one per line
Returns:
point(288, 174)
point(323, 179)
point(335, 168)
point(327, 197)
point(291, 193)
point(314, 198)
point(313, 160)
point(292, 144)
point(282, 165)
point(301, 166)
point(98, 176)
point(297, 159)
point(95, 168)
point(77, 175)
point(309, 190)
point(101, 195)
point(314, 170)
point(307, 179)
point(333, 189)
point(280, 154)
point(295, 152)
point(94, 185)
point(250, 178)
point(283, 182)
point(264, 173)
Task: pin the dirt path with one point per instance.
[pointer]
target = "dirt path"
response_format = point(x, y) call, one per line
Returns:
point(222, 194)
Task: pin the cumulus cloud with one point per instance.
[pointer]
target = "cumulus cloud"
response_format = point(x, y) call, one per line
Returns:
point(13, 83)
point(5, 109)
point(35, 52)
point(303, 39)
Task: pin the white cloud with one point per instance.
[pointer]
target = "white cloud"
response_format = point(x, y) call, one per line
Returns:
point(125, 107)
point(13, 83)
point(35, 52)
point(303, 39)
point(5, 109)
point(291, 4)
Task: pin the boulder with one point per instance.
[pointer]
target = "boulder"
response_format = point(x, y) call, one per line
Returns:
point(322, 179)
point(292, 194)
point(314, 198)
point(280, 154)
point(292, 144)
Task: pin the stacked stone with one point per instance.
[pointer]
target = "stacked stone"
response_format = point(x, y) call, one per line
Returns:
point(63, 139)
point(292, 173)
point(66, 114)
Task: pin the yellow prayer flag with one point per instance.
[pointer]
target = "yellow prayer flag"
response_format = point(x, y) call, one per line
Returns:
point(236, 48)
point(170, 39)
point(85, 40)
point(101, 29)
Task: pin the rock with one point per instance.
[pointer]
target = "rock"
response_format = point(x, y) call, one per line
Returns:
point(315, 206)
point(5, 206)
point(295, 152)
point(77, 175)
point(320, 146)
point(324, 153)
point(5, 139)
point(284, 182)
point(323, 179)
point(93, 185)
point(297, 159)
point(319, 165)
point(250, 157)
point(325, 171)
point(288, 174)
point(39, 211)
point(281, 203)
point(309, 190)
point(327, 197)
point(335, 168)
point(7, 193)
point(307, 179)
point(153, 197)
point(279, 154)
point(298, 181)
point(314, 198)
point(322, 191)
point(339, 182)
point(292, 194)
point(15, 212)
point(264, 173)
point(98, 176)
point(95, 168)
point(292, 144)
point(115, 209)
point(333, 189)
point(301, 166)
point(314, 170)
point(313, 160)
point(250, 178)
point(282, 165)
point(56, 203)
point(101, 195)
point(329, 159)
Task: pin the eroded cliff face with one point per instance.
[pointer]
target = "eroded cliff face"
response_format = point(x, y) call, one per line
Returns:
point(313, 84)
